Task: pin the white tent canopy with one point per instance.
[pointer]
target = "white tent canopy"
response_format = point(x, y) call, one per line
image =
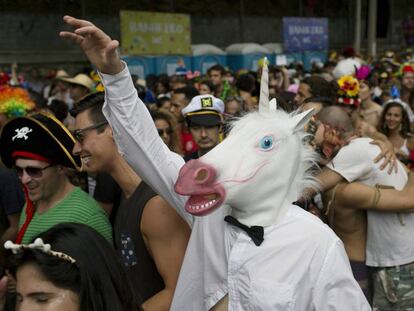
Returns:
point(206, 49)
point(246, 48)
point(276, 48)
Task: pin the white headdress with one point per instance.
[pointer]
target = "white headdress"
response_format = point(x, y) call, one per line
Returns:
point(39, 245)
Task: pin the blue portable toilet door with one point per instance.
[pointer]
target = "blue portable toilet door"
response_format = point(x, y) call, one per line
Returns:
point(138, 70)
point(140, 66)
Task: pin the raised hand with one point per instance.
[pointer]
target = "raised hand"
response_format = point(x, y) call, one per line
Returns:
point(387, 154)
point(100, 49)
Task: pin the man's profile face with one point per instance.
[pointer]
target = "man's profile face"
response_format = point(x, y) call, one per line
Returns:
point(304, 92)
point(178, 102)
point(215, 77)
point(41, 186)
point(96, 147)
point(206, 137)
point(319, 135)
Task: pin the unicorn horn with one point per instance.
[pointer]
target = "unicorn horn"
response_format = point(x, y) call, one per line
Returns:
point(264, 106)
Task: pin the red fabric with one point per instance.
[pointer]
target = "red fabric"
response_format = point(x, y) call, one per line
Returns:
point(29, 216)
point(188, 143)
point(408, 68)
point(30, 155)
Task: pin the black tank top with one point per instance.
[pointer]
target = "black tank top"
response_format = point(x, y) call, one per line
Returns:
point(131, 247)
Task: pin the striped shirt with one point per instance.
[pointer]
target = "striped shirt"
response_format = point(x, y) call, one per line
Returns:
point(76, 207)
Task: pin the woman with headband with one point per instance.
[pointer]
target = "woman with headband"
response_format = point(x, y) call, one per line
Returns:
point(69, 267)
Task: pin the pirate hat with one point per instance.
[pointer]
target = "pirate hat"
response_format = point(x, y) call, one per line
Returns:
point(40, 136)
point(204, 110)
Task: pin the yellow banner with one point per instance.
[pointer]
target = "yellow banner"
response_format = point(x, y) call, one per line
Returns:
point(148, 33)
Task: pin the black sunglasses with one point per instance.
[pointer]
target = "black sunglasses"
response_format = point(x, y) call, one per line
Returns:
point(80, 133)
point(168, 131)
point(34, 172)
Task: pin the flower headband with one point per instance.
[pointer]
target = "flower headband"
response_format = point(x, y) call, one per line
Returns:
point(38, 245)
point(348, 91)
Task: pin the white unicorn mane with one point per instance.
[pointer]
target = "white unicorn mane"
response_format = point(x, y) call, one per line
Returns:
point(308, 166)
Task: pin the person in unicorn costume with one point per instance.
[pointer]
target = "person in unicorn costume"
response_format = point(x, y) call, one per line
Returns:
point(252, 249)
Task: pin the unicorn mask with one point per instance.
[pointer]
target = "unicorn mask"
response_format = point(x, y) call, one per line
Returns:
point(258, 170)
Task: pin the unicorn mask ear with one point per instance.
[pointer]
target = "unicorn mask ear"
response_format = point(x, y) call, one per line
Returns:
point(273, 104)
point(264, 105)
point(299, 121)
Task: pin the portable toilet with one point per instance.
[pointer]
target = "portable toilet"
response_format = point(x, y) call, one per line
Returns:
point(310, 57)
point(205, 56)
point(295, 57)
point(141, 66)
point(169, 63)
point(245, 55)
point(279, 58)
point(275, 49)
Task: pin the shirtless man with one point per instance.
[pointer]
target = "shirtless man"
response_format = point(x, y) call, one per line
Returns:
point(389, 249)
point(346, 207)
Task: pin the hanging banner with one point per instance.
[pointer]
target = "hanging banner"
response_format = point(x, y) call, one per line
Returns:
point(148, 33)
point(305, 34)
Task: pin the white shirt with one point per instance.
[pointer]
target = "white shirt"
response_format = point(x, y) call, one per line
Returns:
point(389, 235)
point(301, 265)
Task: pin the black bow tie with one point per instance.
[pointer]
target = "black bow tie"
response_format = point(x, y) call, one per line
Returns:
point(255, 232)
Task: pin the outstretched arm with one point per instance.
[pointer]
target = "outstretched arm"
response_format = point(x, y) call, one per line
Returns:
point(360, 196)
point(327, 179)
point(132, 125)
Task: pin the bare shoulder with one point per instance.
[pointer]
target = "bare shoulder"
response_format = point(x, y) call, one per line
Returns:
point(378, 108)
point(160, 218)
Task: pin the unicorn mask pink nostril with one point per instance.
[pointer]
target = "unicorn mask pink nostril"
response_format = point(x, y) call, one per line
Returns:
point(198, 180)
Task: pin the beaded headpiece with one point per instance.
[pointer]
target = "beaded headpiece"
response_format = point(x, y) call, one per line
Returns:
point(38, 245)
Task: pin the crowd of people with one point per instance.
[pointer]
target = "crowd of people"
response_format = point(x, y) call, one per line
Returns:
point(89, 164)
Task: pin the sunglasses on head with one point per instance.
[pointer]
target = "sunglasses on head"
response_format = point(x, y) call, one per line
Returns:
point(168, 131)
point(80, 133)
point(34, 172)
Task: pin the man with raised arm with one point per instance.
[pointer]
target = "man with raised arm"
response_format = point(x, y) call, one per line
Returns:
point(149, 236)
point(210, 278)
point(158, 167)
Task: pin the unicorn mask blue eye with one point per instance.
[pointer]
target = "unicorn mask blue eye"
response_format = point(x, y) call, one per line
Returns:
point(258, 185)
point(266, 143)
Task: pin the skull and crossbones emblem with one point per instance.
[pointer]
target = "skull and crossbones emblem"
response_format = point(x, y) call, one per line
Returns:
point(22, 133)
